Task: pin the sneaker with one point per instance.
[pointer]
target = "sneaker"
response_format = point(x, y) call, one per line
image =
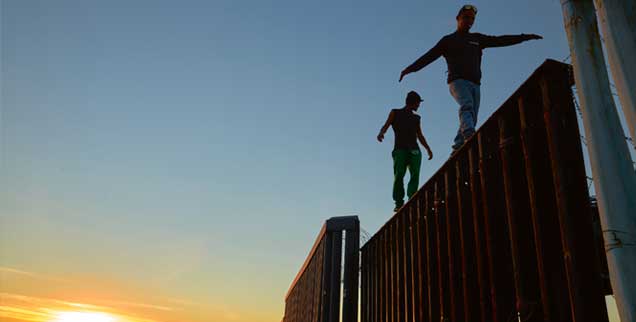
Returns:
point(456, 146)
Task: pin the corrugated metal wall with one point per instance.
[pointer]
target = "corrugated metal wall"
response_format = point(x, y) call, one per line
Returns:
point(315, 294)
point(503, 228)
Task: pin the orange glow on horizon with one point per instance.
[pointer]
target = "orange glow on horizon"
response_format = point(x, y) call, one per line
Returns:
point(22, 301)
point(84, 317)
point(25, 308)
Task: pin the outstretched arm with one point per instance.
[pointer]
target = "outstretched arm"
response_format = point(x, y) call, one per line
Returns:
point(422, 139)
point(506, 40)
point(426, 59)
point(385, 127)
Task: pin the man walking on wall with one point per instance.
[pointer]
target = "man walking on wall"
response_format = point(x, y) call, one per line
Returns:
point(406, 153)
point(462, 51)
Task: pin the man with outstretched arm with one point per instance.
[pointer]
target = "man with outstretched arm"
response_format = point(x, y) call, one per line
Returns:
point(462, 51)
point(406, 153)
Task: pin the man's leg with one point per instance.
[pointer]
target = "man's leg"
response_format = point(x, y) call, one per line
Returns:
point(476, 100)
point(462, 91)
point(415, 161)
point(399, 170)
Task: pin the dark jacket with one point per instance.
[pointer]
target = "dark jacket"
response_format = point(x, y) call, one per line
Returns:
point(462, 52)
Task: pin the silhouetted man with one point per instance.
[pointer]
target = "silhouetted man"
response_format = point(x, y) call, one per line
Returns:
point(406, 153)
point(462, 51)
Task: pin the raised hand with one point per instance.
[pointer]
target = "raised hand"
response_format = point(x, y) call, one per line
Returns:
point(402, 74)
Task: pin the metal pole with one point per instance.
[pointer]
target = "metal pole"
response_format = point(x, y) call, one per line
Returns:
point(351, 266)
point(614, 177)
point(618, 24)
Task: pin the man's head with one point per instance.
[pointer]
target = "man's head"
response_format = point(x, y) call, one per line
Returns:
point(466, 17)
point(413, 100)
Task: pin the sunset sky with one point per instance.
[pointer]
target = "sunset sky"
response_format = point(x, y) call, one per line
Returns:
point(172, 161)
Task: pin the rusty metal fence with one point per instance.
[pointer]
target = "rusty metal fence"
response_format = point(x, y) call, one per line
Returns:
point(503, 231)
point(315, 295)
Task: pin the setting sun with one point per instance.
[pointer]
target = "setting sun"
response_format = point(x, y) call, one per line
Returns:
point(83, 317)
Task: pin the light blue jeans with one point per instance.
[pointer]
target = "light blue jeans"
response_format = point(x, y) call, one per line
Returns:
point(466, 93)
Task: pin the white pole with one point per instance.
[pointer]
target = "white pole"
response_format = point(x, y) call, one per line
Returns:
point(618, 24)
point(614, 177)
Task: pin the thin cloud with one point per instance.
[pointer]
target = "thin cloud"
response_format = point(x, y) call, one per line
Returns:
point(99, 304)
point(181, 302)
point(37, 309)
point(22, 314)
point(9, 270)
point(40, 301)
point(139, 305)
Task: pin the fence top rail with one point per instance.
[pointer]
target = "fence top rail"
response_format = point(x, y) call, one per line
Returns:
point(332, 224)
point(549, 66)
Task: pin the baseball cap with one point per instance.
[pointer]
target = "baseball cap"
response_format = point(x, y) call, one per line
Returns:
point(467, 7)
point(413, 97)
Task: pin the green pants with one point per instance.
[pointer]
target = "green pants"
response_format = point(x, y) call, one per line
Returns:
point(403, 159)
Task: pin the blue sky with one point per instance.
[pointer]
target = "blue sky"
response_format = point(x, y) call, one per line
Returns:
point(194, 148)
